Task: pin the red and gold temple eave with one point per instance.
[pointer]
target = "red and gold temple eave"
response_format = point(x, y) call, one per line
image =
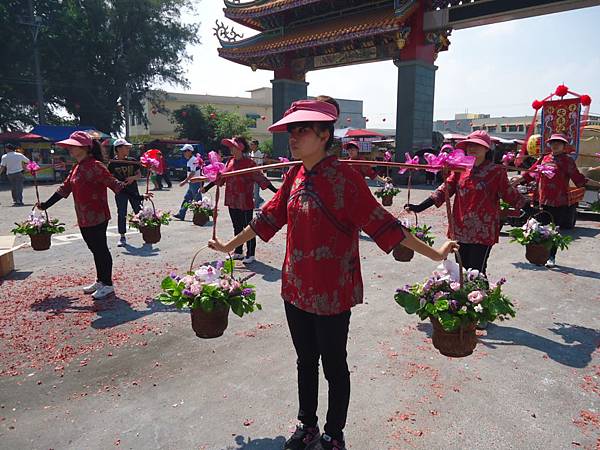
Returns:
point(250, 13)
point(319, 36)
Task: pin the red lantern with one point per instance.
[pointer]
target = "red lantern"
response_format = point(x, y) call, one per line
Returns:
point(586, 100)
point(537, 105)
point(348, 119)
point(263, 117)
point(154, 111)
point(213, 115)
point(562, 90)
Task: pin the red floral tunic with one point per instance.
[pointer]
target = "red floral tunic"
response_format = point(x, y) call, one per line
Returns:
point(88, 181)
point(555, 191)
point(239, 190)
point(476, 210)
point(365, 171)
point(324, 209)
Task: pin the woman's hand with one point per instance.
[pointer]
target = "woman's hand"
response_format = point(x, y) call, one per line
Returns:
point(40, 206)
point(183, 183)
point(447, 248)
point(217, 245)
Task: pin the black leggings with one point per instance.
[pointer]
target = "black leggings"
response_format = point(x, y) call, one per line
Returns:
point(475, 256)
point(122, 198)
point(326, 337)
point(95, 238)
point(241, 218)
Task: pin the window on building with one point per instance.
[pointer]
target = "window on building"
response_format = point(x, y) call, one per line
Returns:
point(521, 127)
point(475, 128)
point(492, 128)
point(253, 118)
point(512, 128)
point(503, 128)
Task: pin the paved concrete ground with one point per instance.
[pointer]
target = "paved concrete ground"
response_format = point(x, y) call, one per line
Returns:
point(129, 373)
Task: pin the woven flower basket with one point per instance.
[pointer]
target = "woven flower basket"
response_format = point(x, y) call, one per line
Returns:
point(457, 344)
point(537, 254)
point(41, 241)
point(200, 218)
point(151, 235)
point(208, 325)
point(387, 200)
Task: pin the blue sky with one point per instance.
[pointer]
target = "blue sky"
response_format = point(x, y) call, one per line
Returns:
point(497, 69)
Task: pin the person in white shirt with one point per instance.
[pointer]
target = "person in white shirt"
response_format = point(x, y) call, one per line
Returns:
point(14, 164)
point(194, 169)
point(257, 157)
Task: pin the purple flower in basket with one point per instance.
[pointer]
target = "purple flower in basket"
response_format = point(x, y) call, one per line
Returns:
point(453, 305)
point(501, 281)
point(247, 292)
point(173, 275)
point(187, 293)
point(439, 295)
point(219, 265)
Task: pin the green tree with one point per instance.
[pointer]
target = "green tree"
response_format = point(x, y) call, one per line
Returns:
point(208, 125)
point(95, 54)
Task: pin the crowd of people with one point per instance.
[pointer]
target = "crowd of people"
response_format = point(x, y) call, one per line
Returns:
point(325, 205)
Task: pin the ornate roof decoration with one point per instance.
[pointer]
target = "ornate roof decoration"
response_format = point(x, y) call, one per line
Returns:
point(357, 26)
point(251, 13)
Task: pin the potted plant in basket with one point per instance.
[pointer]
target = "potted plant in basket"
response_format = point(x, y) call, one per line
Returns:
point(423, 232)
point(538, 240)
point(210, 292)
point(202, 210)
point(39, 228)
point(455, 303)
point(148, 221)
point(387, 194)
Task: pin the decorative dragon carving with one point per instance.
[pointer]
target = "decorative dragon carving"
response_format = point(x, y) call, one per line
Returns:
point(226, 34)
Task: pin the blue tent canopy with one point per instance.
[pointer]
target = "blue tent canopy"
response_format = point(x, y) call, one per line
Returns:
point(56, 133)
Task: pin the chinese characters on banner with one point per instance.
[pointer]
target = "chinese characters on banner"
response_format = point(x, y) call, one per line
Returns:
point(561, 116)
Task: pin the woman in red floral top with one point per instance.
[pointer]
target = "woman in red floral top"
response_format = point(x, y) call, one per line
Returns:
point(554, 190)
point(352, 148)
point(324, 203)
point(239, 192)
point(88, 181)
point(477, 194)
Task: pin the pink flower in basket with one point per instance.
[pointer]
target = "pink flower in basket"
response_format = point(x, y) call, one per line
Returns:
point(283, 160)
point(476, 297)
point(33, 167)
point(387, 156)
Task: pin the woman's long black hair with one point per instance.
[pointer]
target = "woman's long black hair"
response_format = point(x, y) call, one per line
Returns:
point(96, 150)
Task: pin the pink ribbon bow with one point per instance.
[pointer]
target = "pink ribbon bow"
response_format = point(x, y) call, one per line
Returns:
point(33, 167)
point(216, 167)
point(408, 160)
point(458, 159)
point(508, 158)
point(150, 163)
point(283, 160)
point(435, 160)
point(199, 161)
point(387, 156)
point(544, 169)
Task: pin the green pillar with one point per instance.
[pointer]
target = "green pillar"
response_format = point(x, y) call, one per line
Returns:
point(285, 92)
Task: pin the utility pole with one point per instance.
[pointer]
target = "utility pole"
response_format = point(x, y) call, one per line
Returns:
point(35, 25)
point(126, 111)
